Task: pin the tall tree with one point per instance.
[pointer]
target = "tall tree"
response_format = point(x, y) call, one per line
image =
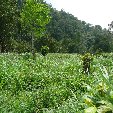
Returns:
point(8, 9)
point(35, 16)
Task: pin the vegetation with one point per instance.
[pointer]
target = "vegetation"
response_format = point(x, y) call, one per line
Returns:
point(44, 25)
point(29, 19)
point(55, 83)
point(8, 16)
point(44, 50)
point(87, 59)
point(76, 36)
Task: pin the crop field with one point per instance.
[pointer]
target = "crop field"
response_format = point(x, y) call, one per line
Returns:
point(55, 84)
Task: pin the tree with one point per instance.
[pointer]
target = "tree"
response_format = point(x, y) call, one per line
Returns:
point(35, 16)
point(47, 41)
point(8, 14)
point(110, 25)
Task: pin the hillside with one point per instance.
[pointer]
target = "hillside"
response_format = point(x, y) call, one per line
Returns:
point(59, 30)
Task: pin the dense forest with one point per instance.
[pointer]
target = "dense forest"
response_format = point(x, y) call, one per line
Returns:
point(60, 31)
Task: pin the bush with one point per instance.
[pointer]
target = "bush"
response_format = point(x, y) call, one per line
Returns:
point(44, 50)
point(87, 58)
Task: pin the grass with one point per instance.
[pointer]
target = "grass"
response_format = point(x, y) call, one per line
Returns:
point(51, 84)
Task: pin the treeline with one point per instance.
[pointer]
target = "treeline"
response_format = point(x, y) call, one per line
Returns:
point(64, 33)
point(76, 36)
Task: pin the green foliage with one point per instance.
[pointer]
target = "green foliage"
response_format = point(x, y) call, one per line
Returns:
point(38, 86)
point(35, 16)
point(30, 86)
point(20, 46)
point(87, 59)
point(28, 20)
point(8, 16)
point(49, 41)
point(76, 36)
point(44, 50)
point(100, 93)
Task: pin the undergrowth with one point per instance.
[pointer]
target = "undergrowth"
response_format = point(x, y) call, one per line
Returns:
point(55, 84)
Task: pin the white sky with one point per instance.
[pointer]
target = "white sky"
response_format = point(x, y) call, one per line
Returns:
point(95, 12)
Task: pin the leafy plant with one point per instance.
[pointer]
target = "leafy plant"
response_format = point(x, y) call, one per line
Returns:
point(54, 84)
point(87, 58)
point(35, 16)
point(44, 50)
point(102, 95)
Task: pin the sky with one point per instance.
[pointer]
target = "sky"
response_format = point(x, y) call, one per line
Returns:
point(95, 12)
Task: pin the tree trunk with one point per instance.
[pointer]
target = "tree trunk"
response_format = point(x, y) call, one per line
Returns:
point(33, 51)
point(0, 48)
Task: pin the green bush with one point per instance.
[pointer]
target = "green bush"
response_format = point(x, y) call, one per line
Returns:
point(44, 50)
point(87, 59)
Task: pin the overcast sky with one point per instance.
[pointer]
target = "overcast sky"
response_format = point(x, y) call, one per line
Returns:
point(95, 12)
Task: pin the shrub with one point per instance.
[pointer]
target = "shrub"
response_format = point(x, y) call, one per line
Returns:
point(87, 58)
point(44, 50)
